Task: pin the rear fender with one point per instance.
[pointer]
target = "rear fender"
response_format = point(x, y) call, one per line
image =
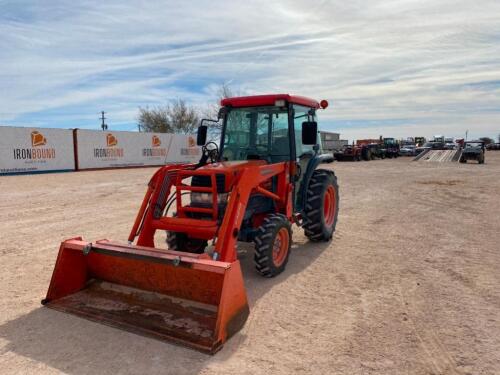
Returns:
point(311, 167)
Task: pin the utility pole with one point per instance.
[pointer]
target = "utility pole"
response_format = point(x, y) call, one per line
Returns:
point(104, 126)
point(466, 133)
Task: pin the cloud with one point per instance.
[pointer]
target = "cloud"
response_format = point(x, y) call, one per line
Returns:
point(398, 68)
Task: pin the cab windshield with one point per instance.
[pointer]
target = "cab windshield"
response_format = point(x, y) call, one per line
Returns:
point(256, 133)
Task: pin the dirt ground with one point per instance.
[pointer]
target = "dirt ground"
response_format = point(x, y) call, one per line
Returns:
point(409, 285)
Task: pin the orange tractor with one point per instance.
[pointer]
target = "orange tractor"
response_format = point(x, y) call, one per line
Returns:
point(261, 179)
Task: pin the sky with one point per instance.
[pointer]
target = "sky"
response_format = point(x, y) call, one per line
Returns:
point(393, 68)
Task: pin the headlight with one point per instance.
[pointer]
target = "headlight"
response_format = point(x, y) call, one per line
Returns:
point(206, 198)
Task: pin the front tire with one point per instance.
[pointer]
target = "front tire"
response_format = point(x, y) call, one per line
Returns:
point(272, 245)
point(322, 206)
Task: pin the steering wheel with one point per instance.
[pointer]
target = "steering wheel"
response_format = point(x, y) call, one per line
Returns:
point(211, 150)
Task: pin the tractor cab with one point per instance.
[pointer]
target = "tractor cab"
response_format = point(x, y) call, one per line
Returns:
point(272, 128)
point(271, 133)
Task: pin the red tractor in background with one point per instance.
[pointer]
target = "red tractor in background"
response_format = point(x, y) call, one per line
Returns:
point(349, 152)
point(371, 149)
point(261, 179)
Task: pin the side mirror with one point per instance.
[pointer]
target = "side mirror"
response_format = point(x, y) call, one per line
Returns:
point(309, 132)
point(201, 137)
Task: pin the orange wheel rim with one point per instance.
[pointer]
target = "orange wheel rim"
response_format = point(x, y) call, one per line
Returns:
point(280, 246)
point(329, 206)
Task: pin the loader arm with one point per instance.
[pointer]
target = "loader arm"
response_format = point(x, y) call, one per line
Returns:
point(153, 193)
point(248, 182)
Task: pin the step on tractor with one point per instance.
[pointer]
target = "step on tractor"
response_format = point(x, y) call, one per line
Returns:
point(261, 178)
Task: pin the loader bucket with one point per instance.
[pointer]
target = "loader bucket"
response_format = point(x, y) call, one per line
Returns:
point(179, 297)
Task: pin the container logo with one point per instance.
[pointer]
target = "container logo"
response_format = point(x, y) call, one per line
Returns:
point(37, 139)
point(155, 151)
point(36, 152)
point(110, 152)
point(156, 142)
point(111, 140)
point(191, 150)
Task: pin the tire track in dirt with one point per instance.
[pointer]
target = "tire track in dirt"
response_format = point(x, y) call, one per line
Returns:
point(438, 356)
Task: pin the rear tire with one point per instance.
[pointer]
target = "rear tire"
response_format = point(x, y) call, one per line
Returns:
point(272, 245)
point(462, 160)
point(365, 154)
point(181, 242)
point(322, 206)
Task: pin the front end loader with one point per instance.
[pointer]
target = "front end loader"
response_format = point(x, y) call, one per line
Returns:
point(262, 178)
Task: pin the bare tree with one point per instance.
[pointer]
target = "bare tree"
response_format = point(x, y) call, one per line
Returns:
point(212, 109)
point(154, 120)
point(177, 117)
point(184, 118)
point(224, 91)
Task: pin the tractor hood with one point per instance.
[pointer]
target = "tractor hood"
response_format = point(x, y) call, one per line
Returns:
point(224, 173)
point(231, 166)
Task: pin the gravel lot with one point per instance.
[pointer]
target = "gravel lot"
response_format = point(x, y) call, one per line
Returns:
point(409, 285)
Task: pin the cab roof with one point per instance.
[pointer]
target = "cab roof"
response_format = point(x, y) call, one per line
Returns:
point(268, 100)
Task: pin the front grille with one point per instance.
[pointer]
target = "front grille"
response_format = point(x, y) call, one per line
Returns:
point(205, 181)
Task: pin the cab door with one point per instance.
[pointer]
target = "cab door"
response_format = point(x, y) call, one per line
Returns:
point(304, 154)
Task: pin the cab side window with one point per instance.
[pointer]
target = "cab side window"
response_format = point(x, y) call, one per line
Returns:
point(301, 114)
